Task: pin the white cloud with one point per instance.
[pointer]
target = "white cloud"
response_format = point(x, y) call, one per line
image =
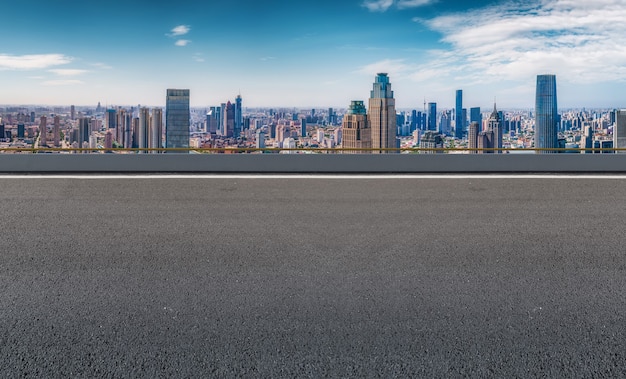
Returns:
point(68, 82)
point(182, 42)
point(68, 72)
point(32, 62)
point(403, 4)
point(102, 66)
point(580, 41)
point(265, 59)
point(180, 30)
point(384, 5)
point(378, 5)
point(198, 57)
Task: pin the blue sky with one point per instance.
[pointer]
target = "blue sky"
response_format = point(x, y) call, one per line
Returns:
point(302, 53)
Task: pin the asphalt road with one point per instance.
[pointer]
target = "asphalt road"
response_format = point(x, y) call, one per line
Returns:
point(312, 278)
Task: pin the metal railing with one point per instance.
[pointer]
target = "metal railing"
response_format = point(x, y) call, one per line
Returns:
point(248, 150)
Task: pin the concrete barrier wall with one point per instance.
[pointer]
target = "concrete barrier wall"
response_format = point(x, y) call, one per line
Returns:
point(312, 163)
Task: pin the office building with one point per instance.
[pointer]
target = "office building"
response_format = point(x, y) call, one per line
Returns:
point(144, 128)
point(111, 119)
point(356, 129)
point(156, 130)
point(303, 127)
point(619, 130)
point(476, 116)
point(381, 114)
point(83, 132)
point(43, 131)
point(546, 116)
point(56, 131)
point(238, 127)
point(177, 117)
point(431, 140)
point(20, 131)
point(472, 137)
point(432, 117)
point(494, 126)
point(228, 114)
point(459, 119)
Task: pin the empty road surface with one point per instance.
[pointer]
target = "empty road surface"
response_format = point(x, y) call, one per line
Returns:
point(312, 277)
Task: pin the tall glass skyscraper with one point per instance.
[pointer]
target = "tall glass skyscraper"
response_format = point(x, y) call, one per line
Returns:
point(381, 114)
point(177, 118)
point(238, 117)
point(432, 116)
point(546, 115)
point(459, 119)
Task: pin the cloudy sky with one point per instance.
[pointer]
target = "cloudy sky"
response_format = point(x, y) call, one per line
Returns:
point(305, 53)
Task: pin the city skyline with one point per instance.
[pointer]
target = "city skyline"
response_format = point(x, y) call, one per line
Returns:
point(320, 54)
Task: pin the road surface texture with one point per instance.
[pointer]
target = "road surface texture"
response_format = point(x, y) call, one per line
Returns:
point(224, 277)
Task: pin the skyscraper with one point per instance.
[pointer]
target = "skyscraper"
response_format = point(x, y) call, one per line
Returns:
point(228, 113)
point(459, 120)
point(472, 137)
point(56, 131)
point(144, 129)
point(43, 131)
point(177, 118)
point(156, 130)
point(432, 116)
point(546, 116)
point(495, 126)
point(356, 129)
point(381, 114)
point(238, 117)
point(619, 130)
point(476, 116)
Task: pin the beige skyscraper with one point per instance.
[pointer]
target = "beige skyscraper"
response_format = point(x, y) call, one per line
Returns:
point(156, 130)
point(57, 131)
point(43, 142)
point(356, 130)
point(381, 114)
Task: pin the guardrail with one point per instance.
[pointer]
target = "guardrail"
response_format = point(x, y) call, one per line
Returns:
point(247, 150)
point(310, 163)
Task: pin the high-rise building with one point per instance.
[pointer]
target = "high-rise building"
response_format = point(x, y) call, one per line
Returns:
point(356, 129)
point(177, 117)
point(228, 113)
point(2, 132)
point(619, 130)
point(56, 131)
point(459, 120)
point(381, 114)
point(43, 131)
point(546, 115)
point(303, 127)
point(432, 116)
point(472, 137)
point(476, 116)
point(494, 125)
point(20, 131)
point(111, 118)
point(73, 112)
point(238, 117)
point(144, 129)
point(83, 131)
point(156, 130)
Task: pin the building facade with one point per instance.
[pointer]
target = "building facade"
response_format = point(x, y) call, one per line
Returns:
point(546, 115)
point(381, 114)
point(177, 117)
point(356, 129)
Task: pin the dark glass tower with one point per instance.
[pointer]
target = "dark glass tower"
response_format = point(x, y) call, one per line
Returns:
point(459, 128)
point(546, 116)
point(432, 116)
point(177, 118)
